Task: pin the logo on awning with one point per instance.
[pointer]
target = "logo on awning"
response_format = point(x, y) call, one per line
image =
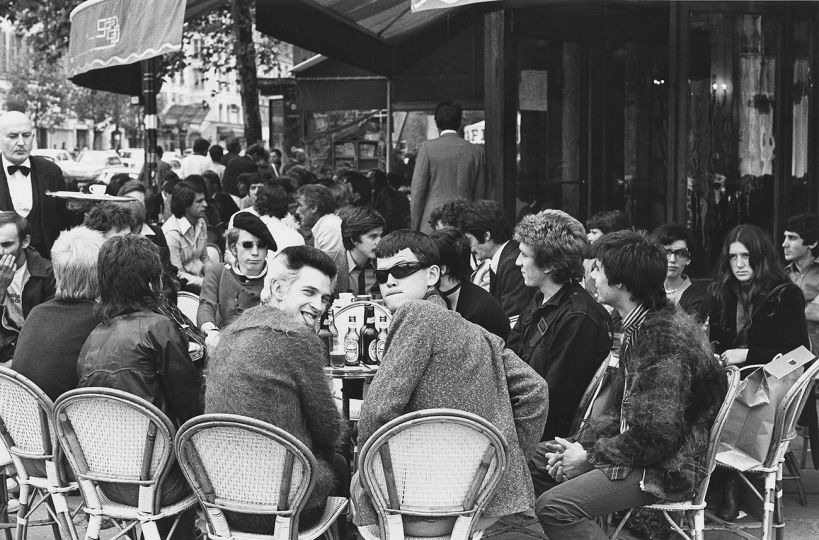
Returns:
point(108, 30)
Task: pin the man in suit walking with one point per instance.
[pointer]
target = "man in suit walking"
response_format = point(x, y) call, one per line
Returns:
point(25, 179)
point(447, 168)
point(490, 235)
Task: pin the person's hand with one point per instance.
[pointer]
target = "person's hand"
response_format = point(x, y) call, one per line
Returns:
point(7, 269)
point(575, 462)
point(732, 357)
point(212, 339)
point(554, 465)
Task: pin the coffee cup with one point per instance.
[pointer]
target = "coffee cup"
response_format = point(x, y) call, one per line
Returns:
point(97, 189)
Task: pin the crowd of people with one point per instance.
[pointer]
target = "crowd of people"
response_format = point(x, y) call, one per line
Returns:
point(509, 321)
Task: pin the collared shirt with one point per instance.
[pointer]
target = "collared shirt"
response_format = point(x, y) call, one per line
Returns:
point(806, 279)
point(187, 245)
point(13, 302)
point(445, 131)
point(195, 164)
point(355, 271)
point(22, 197)
point(327, 234)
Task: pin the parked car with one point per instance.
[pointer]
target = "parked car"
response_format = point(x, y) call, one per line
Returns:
point(88, 166)
point(106, 175)
point(60, 157)
point(133, 157)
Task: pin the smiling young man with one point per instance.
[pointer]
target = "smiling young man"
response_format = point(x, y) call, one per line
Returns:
point(435, 358)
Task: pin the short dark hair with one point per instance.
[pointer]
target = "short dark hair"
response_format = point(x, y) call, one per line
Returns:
point(116, 182)
point(181, 199)
point(448, 115)
point(448, 213)
point(608, 221)
point(806, 226)
point(481, 217)
point(257, 150)
point(216, 153)
point(106, 216)
point(630, 259)
point(318, 196)
point(249, 178)
point(359, 221)
point(129, 271)
point(169, 183)
point(272, 200)
point(297, 257)
point(196, 183)
point(360, 185)
point(417, 242)
point(670, 233)
point(200, 146)
point(454, 251)
point(19, 222)
point(130, 186)
point(233, 145)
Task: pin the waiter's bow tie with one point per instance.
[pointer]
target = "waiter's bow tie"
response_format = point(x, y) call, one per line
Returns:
point(22, 168)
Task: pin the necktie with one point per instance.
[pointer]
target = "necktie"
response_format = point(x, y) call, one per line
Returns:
point(22, 168)
point(492, 281)
point(362, 281)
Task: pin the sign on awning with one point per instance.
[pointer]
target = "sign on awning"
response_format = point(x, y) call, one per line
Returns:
point(423, 5)
point(119, 34)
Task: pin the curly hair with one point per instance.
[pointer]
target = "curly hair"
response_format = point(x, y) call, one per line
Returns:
point(106, 216)
point(608, 221)
point(558, 241)
point(129, 270)
point(448, 214)
point(318, 196)
point(272, 200)
point(359, 221)
point(481, 217)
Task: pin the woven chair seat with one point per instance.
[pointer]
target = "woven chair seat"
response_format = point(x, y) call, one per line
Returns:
point(123, 511)
point(334, 507)
point(370, 532)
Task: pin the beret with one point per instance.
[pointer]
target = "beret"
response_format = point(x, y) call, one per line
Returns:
point(255, 226)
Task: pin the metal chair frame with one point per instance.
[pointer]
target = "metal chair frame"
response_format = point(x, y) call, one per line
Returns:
point(482, 485)
point(784, 431)
point(694, 509)
point(50, 489)
point(183, 296)
point(149, 508)
point(290, 503)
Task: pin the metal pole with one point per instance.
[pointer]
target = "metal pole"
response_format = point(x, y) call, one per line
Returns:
point(389, 124)
point(149, 87)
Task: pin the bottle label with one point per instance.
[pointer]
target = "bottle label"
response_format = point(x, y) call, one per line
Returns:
point(351, 351)
point(380, 349)
point(372, 353)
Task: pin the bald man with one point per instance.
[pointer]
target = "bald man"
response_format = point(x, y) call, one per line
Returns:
point(25, 179)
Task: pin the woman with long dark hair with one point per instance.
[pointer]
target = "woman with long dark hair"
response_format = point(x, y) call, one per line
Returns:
point(756, 312)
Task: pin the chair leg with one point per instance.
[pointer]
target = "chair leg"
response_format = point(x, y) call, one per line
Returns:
point(55, 524)
point(698, 529)
point(26, 493)
point(768, 505)
point(93, 530)
point(796, 473)
point(4, 498)
point(64, 517)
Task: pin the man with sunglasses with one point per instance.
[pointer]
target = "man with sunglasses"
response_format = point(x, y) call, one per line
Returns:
point(435, 358)
point(679, 289)
point(230, 289)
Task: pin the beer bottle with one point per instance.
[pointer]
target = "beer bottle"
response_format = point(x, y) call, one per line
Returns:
point(382, 339)
point(369, 337)
point(351, 344)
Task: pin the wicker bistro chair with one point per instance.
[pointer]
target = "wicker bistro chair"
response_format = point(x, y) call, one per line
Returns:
point(188, 303)
point(432, 463)
point(27, 430)
point(694, 509)
point(113, 436)
point(771, 469)
point(243, 465)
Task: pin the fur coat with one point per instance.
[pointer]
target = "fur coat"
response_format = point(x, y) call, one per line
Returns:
point(269, 367)
point(677, 388)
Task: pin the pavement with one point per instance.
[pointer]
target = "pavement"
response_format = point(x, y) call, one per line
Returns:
point(801, 522)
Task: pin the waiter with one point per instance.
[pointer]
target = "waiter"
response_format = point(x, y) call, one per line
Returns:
point(25, 179)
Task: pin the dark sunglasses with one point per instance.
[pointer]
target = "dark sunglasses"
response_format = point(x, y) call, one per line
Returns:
point(399, 271)
point(680, 254)
point(247, 244)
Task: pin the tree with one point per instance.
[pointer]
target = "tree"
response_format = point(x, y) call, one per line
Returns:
point(42, 91)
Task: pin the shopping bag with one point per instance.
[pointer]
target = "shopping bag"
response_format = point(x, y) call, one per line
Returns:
point(750, 423)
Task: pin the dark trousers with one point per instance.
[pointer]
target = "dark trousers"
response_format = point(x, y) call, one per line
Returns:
point(538, 468)
point(568, 509)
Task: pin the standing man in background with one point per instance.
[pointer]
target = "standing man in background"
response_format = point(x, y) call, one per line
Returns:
point(447, 168)
point(24, 181)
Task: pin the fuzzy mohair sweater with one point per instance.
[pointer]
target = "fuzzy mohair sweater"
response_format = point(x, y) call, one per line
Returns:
point(435, 358)
point(269, 367)
point(677, 388)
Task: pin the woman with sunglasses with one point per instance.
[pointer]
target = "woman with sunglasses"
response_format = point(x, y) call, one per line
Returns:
point(755, 314)
point(230, 289)
point(691, 296)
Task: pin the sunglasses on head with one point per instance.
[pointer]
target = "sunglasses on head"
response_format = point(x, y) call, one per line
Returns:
point(681, 254)
point(247, 244)
point(399, 271)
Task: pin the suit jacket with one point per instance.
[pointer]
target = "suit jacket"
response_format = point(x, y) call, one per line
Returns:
point(447, 168)
point(477, 306)
point(343, 282)
point(508, 286)
point(48, 214)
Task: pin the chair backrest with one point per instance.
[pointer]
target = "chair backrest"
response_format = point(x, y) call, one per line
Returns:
point(435, 462)
point(788, 413)
point(584, 408)
point(716, 431)
point(214, 253)
point(113, 436)
point(26, 420)
point(188, 303)
point(240, 464)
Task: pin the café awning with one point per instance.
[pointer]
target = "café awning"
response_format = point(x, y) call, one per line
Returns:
point(109, 39)
point(183, 115)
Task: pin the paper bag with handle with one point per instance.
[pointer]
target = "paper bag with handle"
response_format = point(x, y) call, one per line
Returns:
point(749, 426)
